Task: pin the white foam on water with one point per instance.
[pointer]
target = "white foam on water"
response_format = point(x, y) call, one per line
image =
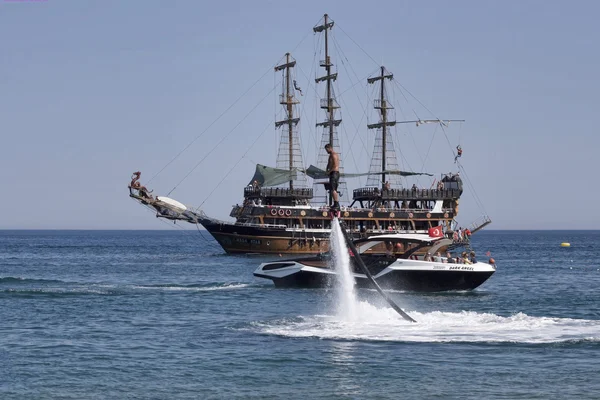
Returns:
point(344, 284)
point(384, 324)
point(229, 286)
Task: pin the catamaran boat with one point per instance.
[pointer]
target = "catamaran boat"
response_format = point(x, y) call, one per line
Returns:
point(399, 261)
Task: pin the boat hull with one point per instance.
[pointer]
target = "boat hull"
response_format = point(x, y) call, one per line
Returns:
point(409, 275)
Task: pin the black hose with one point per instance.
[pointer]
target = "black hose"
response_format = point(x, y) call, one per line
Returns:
point(362, 265)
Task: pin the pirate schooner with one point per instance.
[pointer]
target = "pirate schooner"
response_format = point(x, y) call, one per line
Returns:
point(281, 214)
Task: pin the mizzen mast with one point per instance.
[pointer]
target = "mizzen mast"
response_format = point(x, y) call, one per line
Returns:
point(379, 162)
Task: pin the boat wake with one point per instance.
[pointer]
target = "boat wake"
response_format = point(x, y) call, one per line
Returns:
point(195, 288)
point(370, 323)
point(60, 288)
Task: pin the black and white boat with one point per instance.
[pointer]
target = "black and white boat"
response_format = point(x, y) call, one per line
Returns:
point(400, 261)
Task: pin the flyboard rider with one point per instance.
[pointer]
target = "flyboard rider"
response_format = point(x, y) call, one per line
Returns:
point(333, 169)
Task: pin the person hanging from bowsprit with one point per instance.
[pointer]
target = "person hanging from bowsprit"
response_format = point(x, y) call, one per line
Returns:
point(333, 169)
point(458, 153)
point(135, 184)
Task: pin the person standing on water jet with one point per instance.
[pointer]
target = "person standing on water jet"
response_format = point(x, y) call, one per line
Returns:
point(333, 169)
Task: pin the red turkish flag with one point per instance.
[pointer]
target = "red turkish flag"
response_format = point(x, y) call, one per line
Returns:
point(436, 232)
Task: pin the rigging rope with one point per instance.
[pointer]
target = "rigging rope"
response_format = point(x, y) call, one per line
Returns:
point(357, 45)
point(429, 149)
point(477, 199)
point(236, 164)
point(209, 126)
point(475, 196)
point(222, 140)
point(343, 56)
point(225, 112)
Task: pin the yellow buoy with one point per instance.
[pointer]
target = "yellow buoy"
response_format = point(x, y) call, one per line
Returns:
point(565, 244)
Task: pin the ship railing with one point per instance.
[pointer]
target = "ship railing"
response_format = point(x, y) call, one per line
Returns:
point(386, 209)
point(405, 194)
point(251, 224)
point(298, 193)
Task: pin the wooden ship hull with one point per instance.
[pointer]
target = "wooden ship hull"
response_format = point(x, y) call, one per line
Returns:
point(291, 229)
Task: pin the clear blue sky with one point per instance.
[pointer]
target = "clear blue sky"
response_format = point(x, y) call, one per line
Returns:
point(93, 90)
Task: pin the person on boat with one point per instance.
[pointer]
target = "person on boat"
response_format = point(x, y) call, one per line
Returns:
point(449, 258)
point(414, 187)
point(389, 248)
point(333, 169)
point(458, 153)
point(387, 186)
point(473, 259)
point(465, 258)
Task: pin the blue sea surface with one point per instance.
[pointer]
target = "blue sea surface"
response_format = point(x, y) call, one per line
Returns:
point(168, 315)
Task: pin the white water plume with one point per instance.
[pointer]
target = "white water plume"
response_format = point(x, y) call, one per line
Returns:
point(344, 284)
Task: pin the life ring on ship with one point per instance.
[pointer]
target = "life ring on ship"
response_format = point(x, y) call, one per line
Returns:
point(410, 215)
point(324, 214)
point(268, 242)
point(288, 212)
point(273, 211)
point(392, 215)
point(303, 213)
point(346, 214)
point(370, 215)
point(428, 215)
point(281, 212)
point(446, 215)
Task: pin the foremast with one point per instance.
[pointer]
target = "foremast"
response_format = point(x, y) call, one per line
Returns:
point(384, 154)
point(290, 154)
point(330, 105)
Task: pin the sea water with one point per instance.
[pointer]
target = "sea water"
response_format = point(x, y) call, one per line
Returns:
point(166, 314)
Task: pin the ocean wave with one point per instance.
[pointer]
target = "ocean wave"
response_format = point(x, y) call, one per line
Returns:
point(57, 291)
point(370, 323)
point(24, 281)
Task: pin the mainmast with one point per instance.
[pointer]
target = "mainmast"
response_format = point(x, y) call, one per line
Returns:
point(384, 107)
point(288, 100)
point(329, 104)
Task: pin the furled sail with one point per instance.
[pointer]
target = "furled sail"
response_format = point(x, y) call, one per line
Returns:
point(317, 173)
point(269, 176)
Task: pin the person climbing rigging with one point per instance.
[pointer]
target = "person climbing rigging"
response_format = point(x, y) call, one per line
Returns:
point(298, 88)
point(333, 169)
point(458, 153)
